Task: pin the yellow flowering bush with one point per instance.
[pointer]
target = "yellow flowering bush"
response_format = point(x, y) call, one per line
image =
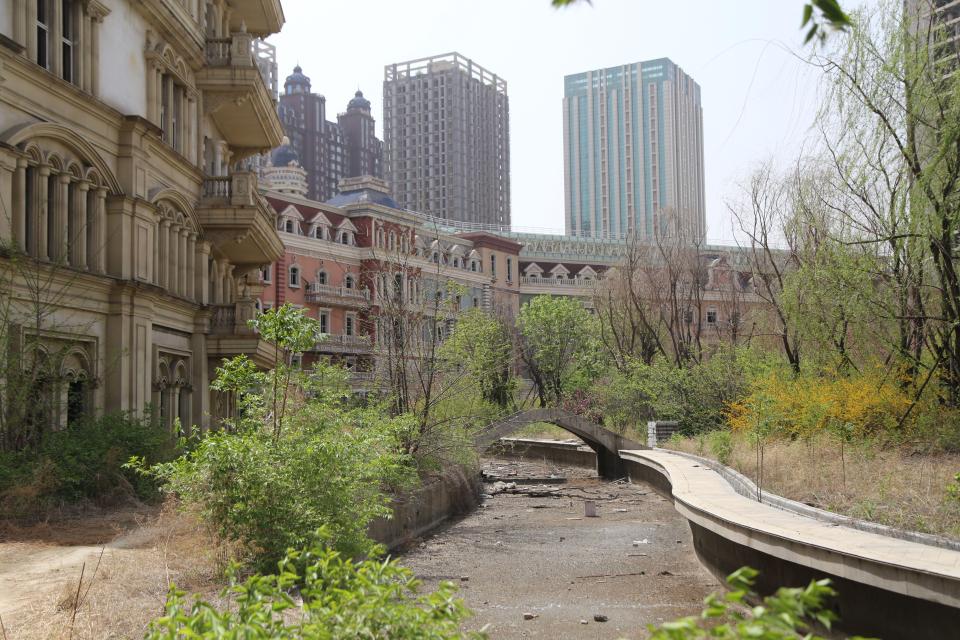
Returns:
point(865, 403)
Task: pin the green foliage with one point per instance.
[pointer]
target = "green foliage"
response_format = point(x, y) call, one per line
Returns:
point(84, 461)
point(329, 468)
point(697, 396)
point(481, 343)
point(560, 345)
point(823, 13)
point(295, 458)
point(953, 490)
point(339, 599)
point(721, 445)
point(786, 615)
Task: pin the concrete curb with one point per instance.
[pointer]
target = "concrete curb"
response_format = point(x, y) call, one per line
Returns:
point(748, 489)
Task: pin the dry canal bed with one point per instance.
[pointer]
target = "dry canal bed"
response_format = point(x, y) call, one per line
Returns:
point(530, 550)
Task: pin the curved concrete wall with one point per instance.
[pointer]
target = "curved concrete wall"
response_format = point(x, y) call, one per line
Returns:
point(888, 587)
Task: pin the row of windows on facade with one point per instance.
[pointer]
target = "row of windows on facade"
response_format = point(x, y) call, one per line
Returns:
point(64, 40)
point(350, 323)
point(321, 232)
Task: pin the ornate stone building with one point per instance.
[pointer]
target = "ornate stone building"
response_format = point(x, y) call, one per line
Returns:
point(131, 247)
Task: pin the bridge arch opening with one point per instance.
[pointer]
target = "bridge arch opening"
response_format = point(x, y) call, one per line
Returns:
point(605, 443)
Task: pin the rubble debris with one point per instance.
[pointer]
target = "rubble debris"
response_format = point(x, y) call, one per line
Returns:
point(530, 616)
point(599, 617)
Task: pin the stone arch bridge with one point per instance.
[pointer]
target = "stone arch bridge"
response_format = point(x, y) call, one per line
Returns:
point(605, 443)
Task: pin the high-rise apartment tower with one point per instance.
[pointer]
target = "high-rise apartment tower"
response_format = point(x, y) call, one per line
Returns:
point(328, 151)
point(447, 139)
point(633, 152)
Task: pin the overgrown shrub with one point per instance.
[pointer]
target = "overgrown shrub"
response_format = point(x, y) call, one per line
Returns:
point(865, 403)
point(721, 445)
point(328, 468)
point(82, 462)
point(697, 396)
point(340, 598)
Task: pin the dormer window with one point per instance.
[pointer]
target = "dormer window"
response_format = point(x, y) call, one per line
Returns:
point(473, 265)
point(288, 226)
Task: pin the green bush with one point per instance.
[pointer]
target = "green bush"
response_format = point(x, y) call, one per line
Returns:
point(341, 599)
point(85, 461)
point(788, 614)
point(329, 467)
point(697, 396)
point(721, 445)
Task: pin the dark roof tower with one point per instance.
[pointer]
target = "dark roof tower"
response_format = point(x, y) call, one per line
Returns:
point(296, 82)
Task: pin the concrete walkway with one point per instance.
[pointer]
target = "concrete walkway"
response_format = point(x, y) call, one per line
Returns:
point(901, 566)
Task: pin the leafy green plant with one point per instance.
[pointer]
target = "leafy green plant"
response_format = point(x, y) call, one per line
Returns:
point(335, 598)
point(788, 614)
point(953, 490)
point(83, 462)
point(721, 445)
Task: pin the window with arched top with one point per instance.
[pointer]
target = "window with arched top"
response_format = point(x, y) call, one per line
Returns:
point(392, 243)
point(321, 277)
point(473, 265)
point(348, 281)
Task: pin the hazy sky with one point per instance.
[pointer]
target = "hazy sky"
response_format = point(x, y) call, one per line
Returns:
point(758, 98)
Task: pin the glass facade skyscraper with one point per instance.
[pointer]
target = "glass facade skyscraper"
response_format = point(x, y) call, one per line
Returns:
point(633, 152)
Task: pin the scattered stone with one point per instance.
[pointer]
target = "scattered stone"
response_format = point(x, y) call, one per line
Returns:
point(637, 543)
point(599, 617)
point(664, 573)
point(498, 544)
point(584, 622)
point(500, 487)
point(619, 510)
point(464, 578)
point(562, 538)
point(529, 616)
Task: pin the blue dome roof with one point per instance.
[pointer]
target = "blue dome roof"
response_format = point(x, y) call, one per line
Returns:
point(297, 77)
point(370, 196)
point(283, 155)
point(359, 102)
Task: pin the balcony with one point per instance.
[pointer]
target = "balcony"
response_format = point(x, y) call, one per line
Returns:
point(238, 221)
point(260, 17)
point(237, 97)
point(230, 335)
point(326, 294)
point(338, 343)
point(556, 282)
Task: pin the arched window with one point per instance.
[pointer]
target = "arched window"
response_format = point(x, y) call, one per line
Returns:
point(294, 276)
point(348, 281)
point(473, 265)
point(288, 226)
point(436, 258)
point(393, 241)
point(321, 277)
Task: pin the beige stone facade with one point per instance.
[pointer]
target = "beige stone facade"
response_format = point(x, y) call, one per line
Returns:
point(131, 248)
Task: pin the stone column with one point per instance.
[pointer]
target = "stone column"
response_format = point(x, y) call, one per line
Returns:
point(58, 218)
point(173, 277)
point(41, 190)
point(97, 249)
point(216, 295)
point(192, 266)
point(203, 272)
point(164, 230)
point(79, 229)
point(228, 283)
point(182, 262)
point(20, 205)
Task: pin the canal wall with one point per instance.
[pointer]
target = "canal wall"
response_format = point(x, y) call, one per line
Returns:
point(888, 587)
point(558, 452)
point(454, 493)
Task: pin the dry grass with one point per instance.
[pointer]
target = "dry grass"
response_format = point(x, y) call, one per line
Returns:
point(893, 486)
point(128, 589)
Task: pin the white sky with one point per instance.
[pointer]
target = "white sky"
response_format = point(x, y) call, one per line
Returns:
point(759, 99)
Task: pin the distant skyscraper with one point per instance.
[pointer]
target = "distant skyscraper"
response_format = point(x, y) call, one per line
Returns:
point(364, 152)
point(447, 139)
point(632, 148)
point(328, 151)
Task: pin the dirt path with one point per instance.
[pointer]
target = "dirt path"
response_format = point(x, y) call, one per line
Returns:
point(540, 555)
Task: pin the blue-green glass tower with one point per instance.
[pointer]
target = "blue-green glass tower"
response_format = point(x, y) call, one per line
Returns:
point(633, 151)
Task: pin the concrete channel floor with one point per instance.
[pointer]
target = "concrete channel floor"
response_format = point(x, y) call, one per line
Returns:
point(540, 555)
